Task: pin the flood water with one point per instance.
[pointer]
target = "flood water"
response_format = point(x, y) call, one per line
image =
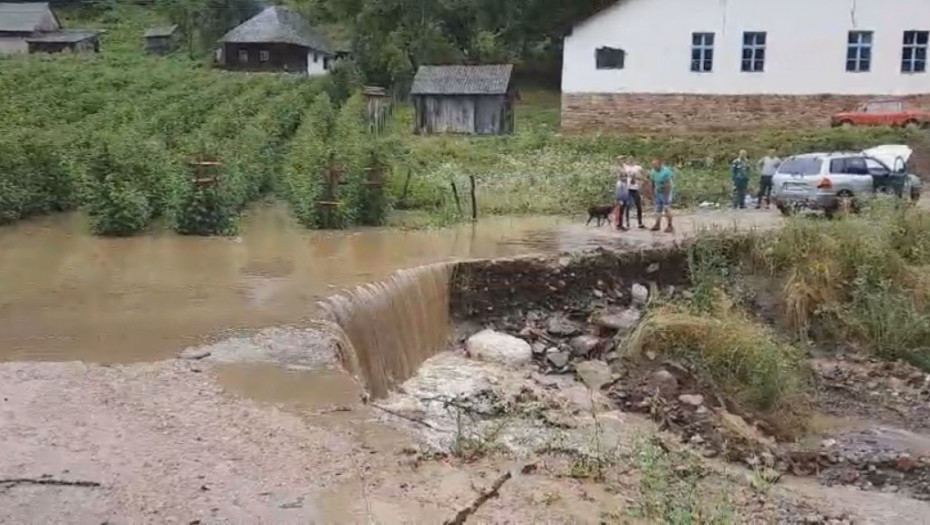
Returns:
point(67, 295)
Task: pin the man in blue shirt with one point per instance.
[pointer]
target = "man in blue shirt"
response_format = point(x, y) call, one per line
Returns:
point(661, 180)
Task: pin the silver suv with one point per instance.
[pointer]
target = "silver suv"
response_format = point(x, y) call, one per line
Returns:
point(831, 181)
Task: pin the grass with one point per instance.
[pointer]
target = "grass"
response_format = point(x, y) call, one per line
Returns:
point(736, 353)
point(860, 281)
point(539, 170)
point(672, 488)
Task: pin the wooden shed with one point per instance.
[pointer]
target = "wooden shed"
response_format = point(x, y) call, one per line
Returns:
point(161, 40)
point(76, 41)
point(463, 99)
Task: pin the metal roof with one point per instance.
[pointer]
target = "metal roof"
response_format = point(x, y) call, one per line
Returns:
point(462, 80)
point(27, 17)
point(278, 25)
point(67, 37)
point(160, 31)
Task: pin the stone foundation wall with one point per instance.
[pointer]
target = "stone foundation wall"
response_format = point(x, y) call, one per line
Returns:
point(642, 112)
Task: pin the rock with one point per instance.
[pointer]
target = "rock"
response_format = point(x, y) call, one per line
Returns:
point(650, 355)
point(622, 321)
point(694, 400)
point(736, 425)
point(561, 326)
point(664, 382)
point(696, 440)
point(828, 443)
point(583, 345)
point(558, 360)
point(640, 294)
point(905, 463)
point(595, 374)
point(653, 268)
point(195, 354)
point(539, 348)
point(701, 410)
point(489, 345)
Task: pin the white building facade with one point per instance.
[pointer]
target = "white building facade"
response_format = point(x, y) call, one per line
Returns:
point(735, 64)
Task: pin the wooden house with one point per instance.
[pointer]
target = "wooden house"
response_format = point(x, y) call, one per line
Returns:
point(161, 40)
point(20, 20)
point(277, 39)
point(76, 41)
point(463, 99)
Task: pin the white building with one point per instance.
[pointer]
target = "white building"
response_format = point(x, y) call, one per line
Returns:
point(730, 64)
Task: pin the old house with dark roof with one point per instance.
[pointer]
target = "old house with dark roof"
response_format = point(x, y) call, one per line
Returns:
point(19, 21)
point(34, 28)
point(161, 40)
point(277, 39)
point(463, 99)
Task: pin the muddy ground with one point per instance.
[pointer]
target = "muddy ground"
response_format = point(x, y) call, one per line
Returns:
point(266, 428)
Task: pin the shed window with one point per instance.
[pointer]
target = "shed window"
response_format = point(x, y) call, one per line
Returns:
point(914, 57)
point(609, 58)
point(243, 56)
point(702, 52)
point(264, 56)
point(753, 52)
point(859, 51)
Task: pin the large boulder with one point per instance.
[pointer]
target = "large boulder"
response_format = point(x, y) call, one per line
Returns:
point(489, 345)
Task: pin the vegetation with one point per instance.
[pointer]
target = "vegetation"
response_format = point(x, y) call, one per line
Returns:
point(673, 488)
point(860, 281)
point(741, 356)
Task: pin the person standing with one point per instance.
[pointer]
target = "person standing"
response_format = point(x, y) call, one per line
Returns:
point(739, 171)
point(634, 174)
point(661, 186)
point(768, 165)
point(622, 196)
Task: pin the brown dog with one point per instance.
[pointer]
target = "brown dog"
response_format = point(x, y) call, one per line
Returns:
point(600, 213)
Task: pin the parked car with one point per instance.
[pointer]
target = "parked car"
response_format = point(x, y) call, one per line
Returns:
point(883, 112)
point(898, 158)
point(835, 181)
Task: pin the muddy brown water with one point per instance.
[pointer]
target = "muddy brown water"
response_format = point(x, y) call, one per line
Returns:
point(67, 295)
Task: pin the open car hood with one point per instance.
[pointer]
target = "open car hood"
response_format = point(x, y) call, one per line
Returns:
point(893, 155)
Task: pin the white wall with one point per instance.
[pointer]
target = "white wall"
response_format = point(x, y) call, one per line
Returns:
point(315, 68)
point(13, 44)
point(805, 48)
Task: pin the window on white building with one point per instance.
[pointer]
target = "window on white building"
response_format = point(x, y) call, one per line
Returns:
point(264, 56)
point(914, 57)
point(609, 58)
point(243, 56)
point(702, 52)
point(859, 51)
point(753, 52)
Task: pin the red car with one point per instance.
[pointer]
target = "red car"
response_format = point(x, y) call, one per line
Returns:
point(888, 112)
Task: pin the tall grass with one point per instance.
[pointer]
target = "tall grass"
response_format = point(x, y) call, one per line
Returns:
point(738, 354)
point(860, 281)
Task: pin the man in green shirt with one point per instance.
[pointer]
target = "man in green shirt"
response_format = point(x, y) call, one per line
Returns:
point(661, 180)
point(740, 173)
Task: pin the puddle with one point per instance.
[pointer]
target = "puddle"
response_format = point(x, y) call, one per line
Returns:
point(299, 390)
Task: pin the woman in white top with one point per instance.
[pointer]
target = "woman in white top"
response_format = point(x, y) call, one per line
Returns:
point(634, 174)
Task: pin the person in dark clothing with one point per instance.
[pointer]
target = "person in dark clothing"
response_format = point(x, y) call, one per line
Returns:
point(740, 173)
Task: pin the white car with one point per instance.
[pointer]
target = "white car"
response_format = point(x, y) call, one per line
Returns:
point(898, 157)
point(841, 180)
